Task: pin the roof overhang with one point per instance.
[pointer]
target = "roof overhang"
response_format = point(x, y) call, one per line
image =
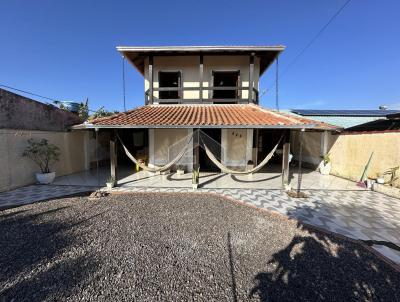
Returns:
point(291, 127)
point(136, 55)
point(219, 116)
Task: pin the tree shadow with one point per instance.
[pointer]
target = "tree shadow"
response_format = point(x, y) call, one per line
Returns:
point(318, 265)
point(37, 258)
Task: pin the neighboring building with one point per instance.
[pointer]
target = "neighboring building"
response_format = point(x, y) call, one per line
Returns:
point(351, 149)
point(211, 88)
point(390, 123)
point(343, 118)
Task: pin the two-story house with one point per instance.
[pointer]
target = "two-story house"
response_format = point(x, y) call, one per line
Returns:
point(211, 88)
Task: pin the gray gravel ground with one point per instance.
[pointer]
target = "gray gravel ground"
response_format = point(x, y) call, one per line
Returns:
point(178, 247)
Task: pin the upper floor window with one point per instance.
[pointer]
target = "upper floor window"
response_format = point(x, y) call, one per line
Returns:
point(170, 79)
point(226, 79)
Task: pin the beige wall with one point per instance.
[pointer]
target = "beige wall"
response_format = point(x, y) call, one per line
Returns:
point(237, 146)
point(17, 171)
point(350, 152)
point(189, 66)
point(163, 141)
point(312, 146)
point(236, 149)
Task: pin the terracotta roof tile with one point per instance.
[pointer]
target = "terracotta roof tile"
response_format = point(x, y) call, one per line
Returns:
point(206, 115)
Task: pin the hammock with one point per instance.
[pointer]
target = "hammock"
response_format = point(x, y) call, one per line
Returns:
point(156, 168)
point(230, 171)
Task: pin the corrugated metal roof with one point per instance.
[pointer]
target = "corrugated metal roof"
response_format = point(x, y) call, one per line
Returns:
point(377, 125)
point(366, 113)
point(345, 121)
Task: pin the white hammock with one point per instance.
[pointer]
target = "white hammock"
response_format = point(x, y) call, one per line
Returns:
point(156, 168)
point(230, 171)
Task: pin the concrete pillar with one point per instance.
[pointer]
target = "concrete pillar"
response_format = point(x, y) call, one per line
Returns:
point(285, 158)
point(113, 155)
point(151, 148)
point(324, 143)
point(190, 163)
point(224, 145)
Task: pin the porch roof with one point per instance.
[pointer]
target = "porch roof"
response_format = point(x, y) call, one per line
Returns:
point(204, 116)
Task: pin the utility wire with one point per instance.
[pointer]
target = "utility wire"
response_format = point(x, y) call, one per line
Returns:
point(123, 80)
point(30, 93)
point(35, 94)
point(276, 85)
point(308, 45)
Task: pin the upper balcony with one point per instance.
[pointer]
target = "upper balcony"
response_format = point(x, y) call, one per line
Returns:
point(201, 74)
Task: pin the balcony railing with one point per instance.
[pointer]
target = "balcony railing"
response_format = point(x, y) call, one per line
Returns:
point(254, 97)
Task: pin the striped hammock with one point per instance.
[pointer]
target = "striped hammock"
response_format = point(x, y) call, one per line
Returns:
point(230, 171)
point(156, 168)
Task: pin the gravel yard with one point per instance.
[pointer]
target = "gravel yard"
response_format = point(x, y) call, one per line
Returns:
point(152, 247)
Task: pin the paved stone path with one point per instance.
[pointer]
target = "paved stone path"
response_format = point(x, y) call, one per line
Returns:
point(364, 215)
point(33, 193)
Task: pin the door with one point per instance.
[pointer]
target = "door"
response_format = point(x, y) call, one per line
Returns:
point(213, 141)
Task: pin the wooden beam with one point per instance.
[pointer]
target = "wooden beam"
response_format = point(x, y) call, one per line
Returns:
point(151, 79)
point(251, 77)
point(285, 158)
point(201, 72)
point(113, 155)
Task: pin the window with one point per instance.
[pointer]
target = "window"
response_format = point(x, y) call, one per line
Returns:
point(225, 79)
point(169, 79)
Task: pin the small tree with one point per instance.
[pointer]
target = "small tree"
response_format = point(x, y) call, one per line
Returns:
point(101, 112)
point(42, 153)
point(83, 111)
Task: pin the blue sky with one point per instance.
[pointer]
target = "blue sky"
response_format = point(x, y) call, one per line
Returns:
point(66, 49)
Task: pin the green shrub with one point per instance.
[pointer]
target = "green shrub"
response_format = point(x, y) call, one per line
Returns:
point(42, 153)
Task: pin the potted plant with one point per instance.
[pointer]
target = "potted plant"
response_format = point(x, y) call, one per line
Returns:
point(195, 177)
point(380, 179)
point(110, 182)
point(180, 170)
point(325, 165)
point(44, 155)
point(392, 172)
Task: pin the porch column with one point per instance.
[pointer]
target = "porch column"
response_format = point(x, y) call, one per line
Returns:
point(201, 71)
point(285, 158)
point(151, 79)
point(113, 155)
point(251, 77)
point(324, 143)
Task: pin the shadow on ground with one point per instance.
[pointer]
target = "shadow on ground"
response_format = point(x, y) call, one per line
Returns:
point(33, 258)
point(322, 266)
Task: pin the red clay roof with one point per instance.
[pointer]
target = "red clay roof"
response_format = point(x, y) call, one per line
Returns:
point(207, 115)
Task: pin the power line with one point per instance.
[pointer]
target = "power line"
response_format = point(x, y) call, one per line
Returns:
point(276, 84)
point(308, 45)
point(123, 80)
point(30, 93)
point(35, 94)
